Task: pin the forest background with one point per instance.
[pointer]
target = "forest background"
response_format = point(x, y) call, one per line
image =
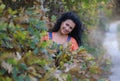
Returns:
point(23, 57)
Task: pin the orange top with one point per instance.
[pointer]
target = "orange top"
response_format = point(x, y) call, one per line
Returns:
point(74, 45)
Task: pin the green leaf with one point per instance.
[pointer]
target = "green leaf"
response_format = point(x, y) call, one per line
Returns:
point(2, 6)
point(2, 79)
point(8, 79)
point(84, 66)
point(23, 66)
point(35, 40)
point(32, 45)
point(72, 0)
point(36, 50)
point(30, 30)
point(20, 78)
point(69, 78)
point(53, 18)
point(3, 26)
point(12, 61)
point(12, 12)
point(20, 35)
point(27, 78)
point(41, 62)
point(44, 44)
point(2, 72)
point(6, 43)
point(14, 73)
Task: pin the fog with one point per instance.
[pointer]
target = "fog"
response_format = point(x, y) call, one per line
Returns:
point(111, 44)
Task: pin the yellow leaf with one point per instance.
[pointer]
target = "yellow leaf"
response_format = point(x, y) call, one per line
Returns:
point(82, 51)
point(12, 12)
point(94, 69)
point(2, 6)
point(42, 79)
point(89, 57)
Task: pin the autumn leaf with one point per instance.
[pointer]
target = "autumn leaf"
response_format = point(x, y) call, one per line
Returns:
point(94, 69)
point(2, 6)
point(12, 12)
point(89, 57)
point(82, 50)
point(7, 66)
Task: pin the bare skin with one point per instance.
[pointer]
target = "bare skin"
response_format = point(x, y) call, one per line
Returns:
point(66, 27)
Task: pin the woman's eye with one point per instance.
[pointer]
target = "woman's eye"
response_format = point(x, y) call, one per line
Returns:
point(71, 28)
point(67, 24)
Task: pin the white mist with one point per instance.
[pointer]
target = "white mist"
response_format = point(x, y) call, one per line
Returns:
point(112, 46)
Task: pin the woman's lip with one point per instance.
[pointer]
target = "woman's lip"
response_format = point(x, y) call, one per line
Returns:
point(65, 31)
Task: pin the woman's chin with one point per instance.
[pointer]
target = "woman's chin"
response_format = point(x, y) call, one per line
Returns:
point(64, 33)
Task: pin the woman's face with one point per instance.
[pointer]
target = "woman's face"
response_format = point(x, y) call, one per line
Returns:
point(67, 26)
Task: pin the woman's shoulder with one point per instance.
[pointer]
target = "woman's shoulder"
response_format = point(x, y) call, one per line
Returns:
point(74, 45)
point(73, 39)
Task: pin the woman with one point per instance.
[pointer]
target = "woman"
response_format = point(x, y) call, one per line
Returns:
point(66, 29)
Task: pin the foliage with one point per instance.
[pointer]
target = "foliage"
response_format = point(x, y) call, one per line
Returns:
point(93, 15)
point(116, 4)
point(24, 57)
point(88, 11)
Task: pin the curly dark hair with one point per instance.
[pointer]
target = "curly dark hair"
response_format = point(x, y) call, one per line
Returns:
point(76, 32)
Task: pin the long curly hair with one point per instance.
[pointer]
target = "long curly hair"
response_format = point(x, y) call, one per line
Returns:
point(76, 32)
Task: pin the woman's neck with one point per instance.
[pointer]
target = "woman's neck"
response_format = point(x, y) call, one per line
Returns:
point(60, 34)
point(59, 38)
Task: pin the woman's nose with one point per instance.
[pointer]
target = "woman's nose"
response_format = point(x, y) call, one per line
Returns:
point(67, 28)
